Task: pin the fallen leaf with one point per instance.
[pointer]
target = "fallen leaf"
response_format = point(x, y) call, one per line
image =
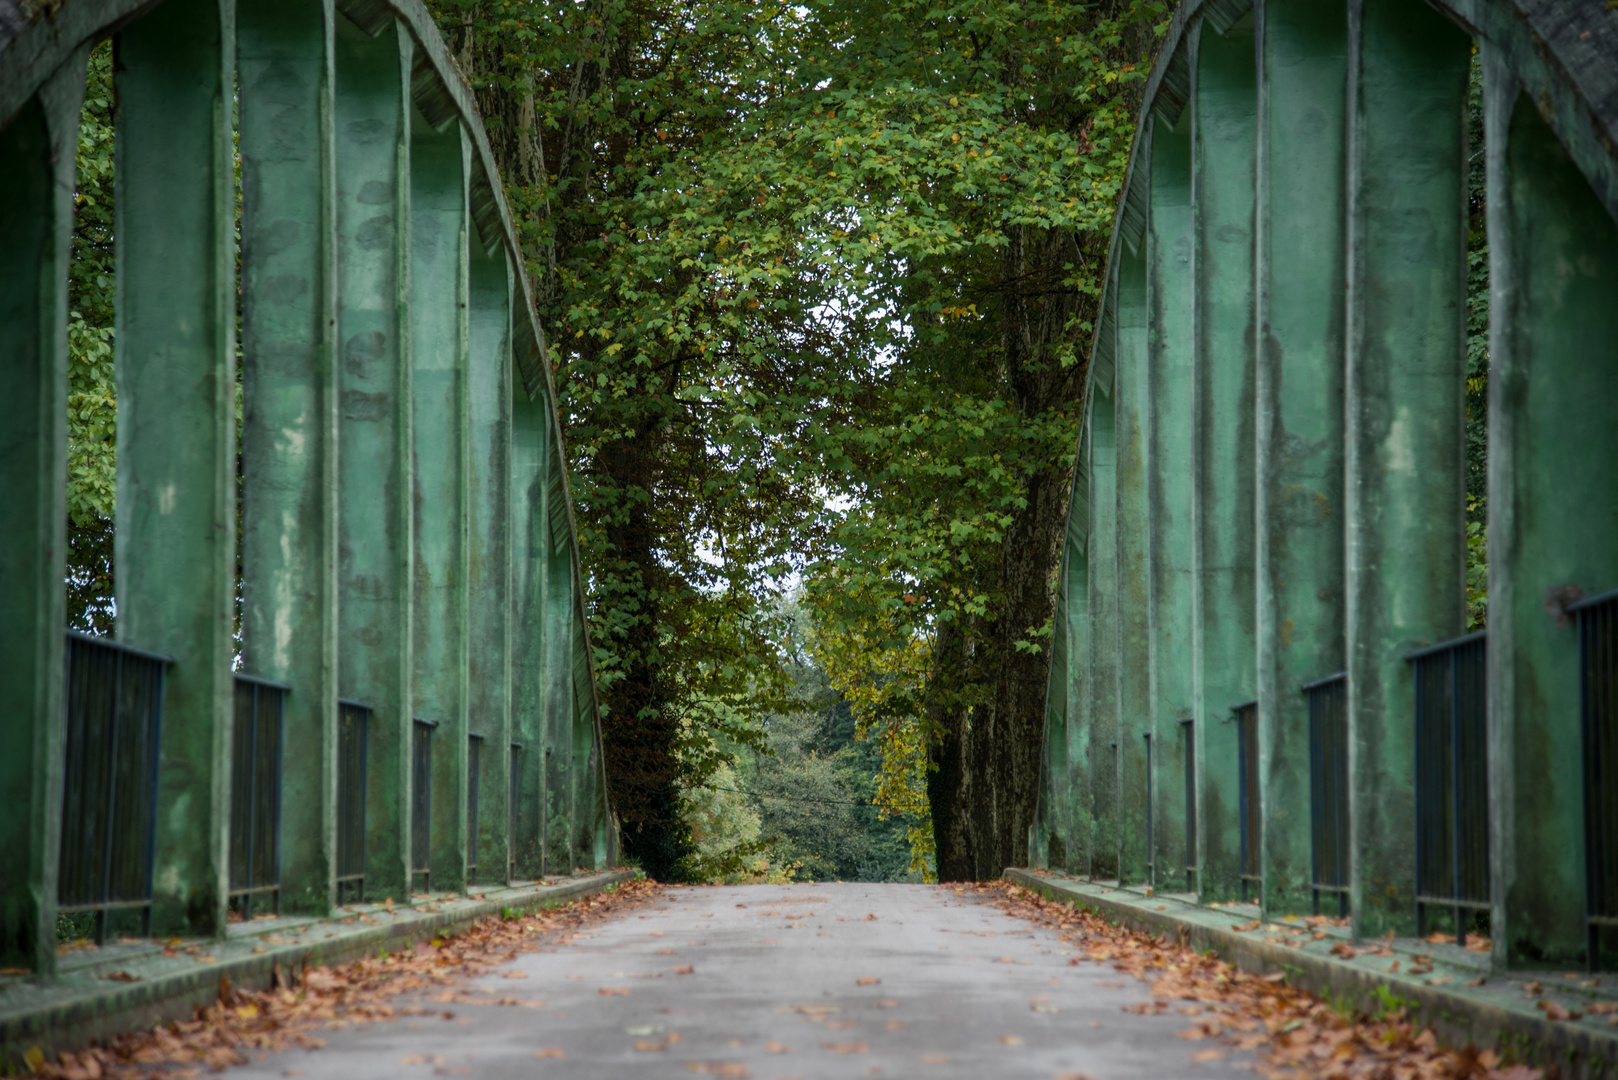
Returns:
point(773, 1047)
point(1011, 1040)
point(934, 1059)
point(867, 980)
point(550, 1052)
point(688, 969)
point(121, 976)
point(1210, 1054)
point(886, 1003)
point(610, 991)
point(733, 1069)
point(847, 1047)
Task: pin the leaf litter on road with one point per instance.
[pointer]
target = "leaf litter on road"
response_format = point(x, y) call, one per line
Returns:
point(303, 1003)
point(1297, 1035)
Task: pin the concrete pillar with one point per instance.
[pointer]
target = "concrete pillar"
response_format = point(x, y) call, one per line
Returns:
point(1302, 50)
point(1103, 638)
point(1553, 514)
point(1047, 842)
point(37, 154)
point(440, 163)
point(530, 638)
point(176, 362)
point(376, 540)
point(1168, 451)
point(1134, 569)
point(490, 599)
point(289, 414)
point(561, 779)
point(1224, 132)
point(1405, 488)
point(1076, 676)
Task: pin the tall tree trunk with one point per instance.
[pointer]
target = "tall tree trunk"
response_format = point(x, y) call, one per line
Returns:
point(949, 781)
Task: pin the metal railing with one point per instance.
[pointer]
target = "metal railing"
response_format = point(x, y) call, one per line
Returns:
point(421, 804)
point(353, 744)
point(1328, 788)
point(1452, 781)
point(255, 795)
point(1598, 712)
point(1248, 818)
point(1151, 816)
point(1188, 755)
point(114, 725)
point(474, 754)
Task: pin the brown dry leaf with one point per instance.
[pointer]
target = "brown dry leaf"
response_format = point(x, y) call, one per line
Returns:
point(894, 1025)
point(934, 1059)
point(867, 980)
point(773, 1047)
point(613, 991)
point(688, 969)
point(847, 1047)
point(121, 976)
point(514, 974)
point(1245, 927)
point(869, 918)
point(1011, 1040)
point(550, 1052)
point(1210, 1054)
point(736, 1070)
point(1439, 938)
point(421, 1059)
point(1074, 1076)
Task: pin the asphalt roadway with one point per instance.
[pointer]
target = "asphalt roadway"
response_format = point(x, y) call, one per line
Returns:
point(772, 982)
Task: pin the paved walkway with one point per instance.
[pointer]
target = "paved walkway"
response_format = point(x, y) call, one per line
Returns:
point(769, 982)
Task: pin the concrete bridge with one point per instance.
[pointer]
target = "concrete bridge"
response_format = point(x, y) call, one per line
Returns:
point(1262, 692)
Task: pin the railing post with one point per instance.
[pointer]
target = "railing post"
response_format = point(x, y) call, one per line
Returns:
point(1553, 376)
point(376, 540)
point(1404, 382)
point(530, 630)
point(1103, 650)
point(439, 222)
point(286, 62)
point(1169, 291)
point(175, 360)
point(1134, 562)
point(490, 601)
point(1301, 49)
point(38, 151)
point(1223, 102)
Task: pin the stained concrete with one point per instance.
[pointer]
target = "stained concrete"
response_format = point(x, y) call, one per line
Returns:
point(988, 993)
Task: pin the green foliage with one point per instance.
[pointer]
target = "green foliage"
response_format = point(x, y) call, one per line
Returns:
point(92, 419)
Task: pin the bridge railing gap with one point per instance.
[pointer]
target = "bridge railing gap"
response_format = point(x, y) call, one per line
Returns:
point(1270, 484)
point(407, 546)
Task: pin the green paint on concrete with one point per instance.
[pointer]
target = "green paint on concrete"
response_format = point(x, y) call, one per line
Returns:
point(36, 182)
point(1405, 379)
point(376, 537)
point(439, 225)
point(530, 545)
point(1553, 518)
point(175, 361)
point(1222, 627)
point(1170, 337)
point(1134, 576)
point(1299, 412)
point(1103, 637)
point(490, 600)
point(289, 415)
point(1075, 677)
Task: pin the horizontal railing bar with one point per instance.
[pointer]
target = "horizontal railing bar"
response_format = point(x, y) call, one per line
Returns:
point(474, 735)
point(351, 703)
point(110, 905)
point(1329, 888)
point(1245, 705)
point(350, 877)
point(1442, 901)
point(1592, 601)
point(424, 723)
point(242, 676)
point(1251, 877)
point(114, 643)
point(1444, 646)
point(1602, 920)
point(1326, 681)
point(254, 889)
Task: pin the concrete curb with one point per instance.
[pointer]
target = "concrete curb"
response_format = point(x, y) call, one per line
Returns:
point(79, 1007)
point(1498, 1014)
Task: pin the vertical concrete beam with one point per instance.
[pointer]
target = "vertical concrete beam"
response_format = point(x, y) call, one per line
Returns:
point(490, 600)
point(1224, 133)
point(439, 224)
point(1047, 838)
point(376, 539)
point(285, 57)
point(1103, 637)
point(1077, 678)
point(561, 752)
point(1553, 518)
point(1169, 488)
point(530, 632)
point(1134, 568)
point(37, 155)
point(1405, 488)
point(1302, 56)
point(176, 363)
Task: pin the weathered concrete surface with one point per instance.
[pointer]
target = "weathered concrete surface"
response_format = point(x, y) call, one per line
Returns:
point(958, 980)
point(91, 999)
point(1446, 987)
